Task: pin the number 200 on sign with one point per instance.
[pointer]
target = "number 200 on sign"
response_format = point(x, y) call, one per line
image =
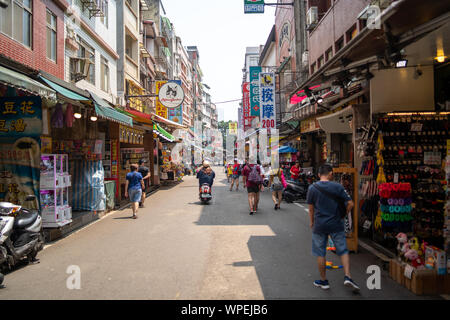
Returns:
point(268, 123)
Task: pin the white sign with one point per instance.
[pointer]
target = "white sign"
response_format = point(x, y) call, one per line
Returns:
point(267, 100)
point(171, 95)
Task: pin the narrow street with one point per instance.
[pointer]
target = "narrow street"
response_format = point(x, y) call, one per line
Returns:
point(180, 249)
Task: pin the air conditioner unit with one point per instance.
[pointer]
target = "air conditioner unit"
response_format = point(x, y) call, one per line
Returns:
point(80, 68)
point(312, 17)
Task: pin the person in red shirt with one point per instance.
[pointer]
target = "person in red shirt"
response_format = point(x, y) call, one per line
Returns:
point(252, 188)
point(236, 169)
point(295, 171)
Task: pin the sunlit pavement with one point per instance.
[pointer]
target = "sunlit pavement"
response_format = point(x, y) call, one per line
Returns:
point(181, 249)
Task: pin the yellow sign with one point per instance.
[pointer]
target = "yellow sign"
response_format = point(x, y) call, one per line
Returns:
point(232, 128)
point(134, 90)
point(160, 109)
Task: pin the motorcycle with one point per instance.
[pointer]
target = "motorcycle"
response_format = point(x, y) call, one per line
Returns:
point(297, 190)
point(20, 235)
point(205, 193)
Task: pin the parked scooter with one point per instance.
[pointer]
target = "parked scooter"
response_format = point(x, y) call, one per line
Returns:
point(20, 235)
point(205, 193)
point(297, 190)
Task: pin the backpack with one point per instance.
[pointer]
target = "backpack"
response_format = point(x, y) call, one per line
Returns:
point(276, 183)
point(254, 176)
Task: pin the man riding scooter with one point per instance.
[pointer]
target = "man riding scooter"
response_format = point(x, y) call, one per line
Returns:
point(205, 176)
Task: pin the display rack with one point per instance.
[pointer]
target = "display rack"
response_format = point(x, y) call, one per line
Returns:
point(352, 235)
point(55, 182)
point(130, 156)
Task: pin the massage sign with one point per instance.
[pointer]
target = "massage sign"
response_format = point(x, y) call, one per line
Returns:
point(20, 130)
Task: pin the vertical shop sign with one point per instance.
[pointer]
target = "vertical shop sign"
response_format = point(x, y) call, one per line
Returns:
point(232, 128)
point(176, 114)
point(160, 109)
point(20, 130)
point(246, 106)
point(254, 91)
point(267, 100)
point(114, 159)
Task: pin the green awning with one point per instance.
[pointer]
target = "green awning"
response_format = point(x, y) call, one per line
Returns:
point(63, 91)
point(163, 133)
point(18, 80)
point(281, 67)
point(105, 111)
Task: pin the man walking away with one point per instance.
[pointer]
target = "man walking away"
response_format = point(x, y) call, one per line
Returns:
point(252, 179)
point(326, 220)
point(145, 172)
point(236, 173)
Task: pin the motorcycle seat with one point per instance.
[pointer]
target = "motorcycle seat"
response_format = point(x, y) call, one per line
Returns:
point(25, 219)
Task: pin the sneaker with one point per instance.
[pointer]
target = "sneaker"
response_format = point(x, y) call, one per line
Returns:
point(322, 284)
point(276, 207)
point(348, 282)
point(251, 213)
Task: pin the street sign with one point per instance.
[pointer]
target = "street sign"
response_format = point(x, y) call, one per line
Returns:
point(253, 6)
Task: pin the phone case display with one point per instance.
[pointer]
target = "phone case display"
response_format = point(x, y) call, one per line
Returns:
point(411, 149)
point(348, 178)
point(54, 194)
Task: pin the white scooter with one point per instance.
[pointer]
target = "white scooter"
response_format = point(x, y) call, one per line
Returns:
point(20, 235)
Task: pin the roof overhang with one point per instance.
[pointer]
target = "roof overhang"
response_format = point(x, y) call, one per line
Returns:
point(337, 122)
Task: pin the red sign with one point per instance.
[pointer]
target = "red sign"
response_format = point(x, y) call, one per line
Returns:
point(246, 105)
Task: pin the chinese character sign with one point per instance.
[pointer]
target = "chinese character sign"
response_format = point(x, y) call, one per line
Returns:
point(160, 109)
point(247, 118)
point(254, 91)
point(267, 100)
point(232, 128)
point(20, 130)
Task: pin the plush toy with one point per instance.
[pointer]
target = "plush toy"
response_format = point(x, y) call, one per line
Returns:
point(413, 256)
point(403, 245)
point(414, 244)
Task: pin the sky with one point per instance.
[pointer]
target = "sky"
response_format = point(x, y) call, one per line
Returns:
point(221, 31)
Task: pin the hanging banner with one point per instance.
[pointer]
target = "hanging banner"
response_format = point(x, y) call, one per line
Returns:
point(20, 154)
point(160, 109)
point(246, 106)
point(176, 114)
point(254, 91)
point(267, 99)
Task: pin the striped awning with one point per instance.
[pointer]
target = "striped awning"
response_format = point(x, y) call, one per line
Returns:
point(105, 111)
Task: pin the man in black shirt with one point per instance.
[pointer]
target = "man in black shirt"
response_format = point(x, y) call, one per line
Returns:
point(145, 172)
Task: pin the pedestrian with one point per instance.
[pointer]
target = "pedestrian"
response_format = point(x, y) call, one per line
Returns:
point(229, 172)
point(133, 188)
point(236, 173)
point(326, 220)
point(252, 179)
point(145, 172)
point(295, 171)
point(277, 184)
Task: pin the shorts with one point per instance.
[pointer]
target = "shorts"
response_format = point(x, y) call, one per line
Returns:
point(235, 176)
point(135, 195)
point(254, 189)
point(275, 188)
point(320, 241)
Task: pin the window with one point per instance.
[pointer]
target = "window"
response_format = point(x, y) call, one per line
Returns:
point(320, 62)
point(313, 68)
point(351, 33)
point(86, 51)
point(104, 74)
point(104, 8)
point(328, 54)
point(130, 47)
point(51, 35)
point(339, 44)
point(16, 21)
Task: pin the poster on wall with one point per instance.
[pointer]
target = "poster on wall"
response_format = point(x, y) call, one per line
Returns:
point(20, 131)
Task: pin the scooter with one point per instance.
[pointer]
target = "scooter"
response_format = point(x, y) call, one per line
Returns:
point(20, 235)
point(205, 193)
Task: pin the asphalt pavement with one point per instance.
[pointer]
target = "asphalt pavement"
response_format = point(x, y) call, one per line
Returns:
point(181, 249)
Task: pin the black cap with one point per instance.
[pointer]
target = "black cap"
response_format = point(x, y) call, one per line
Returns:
point(141, 161)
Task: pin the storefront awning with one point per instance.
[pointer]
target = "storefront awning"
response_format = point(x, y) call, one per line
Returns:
point(287, 149)
point(103, 110)
point(337, 122)
point(21, 81)
point(63, 91)
point(163, 133)
point(167, 122)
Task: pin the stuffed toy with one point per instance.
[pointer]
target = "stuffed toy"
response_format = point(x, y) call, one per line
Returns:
point(403, 245)
point(413, 256)
point(414, 244)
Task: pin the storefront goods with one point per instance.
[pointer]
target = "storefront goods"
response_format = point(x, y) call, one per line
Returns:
point(88, 186)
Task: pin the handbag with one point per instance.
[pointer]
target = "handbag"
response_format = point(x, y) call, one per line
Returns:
point(342, 209)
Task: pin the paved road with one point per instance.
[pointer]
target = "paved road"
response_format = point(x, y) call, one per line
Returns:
point(180, 249)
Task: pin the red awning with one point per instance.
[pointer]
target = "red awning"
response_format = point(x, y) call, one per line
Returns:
point(140, 116)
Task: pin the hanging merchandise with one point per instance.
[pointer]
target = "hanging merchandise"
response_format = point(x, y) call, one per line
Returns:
point(57, 119)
